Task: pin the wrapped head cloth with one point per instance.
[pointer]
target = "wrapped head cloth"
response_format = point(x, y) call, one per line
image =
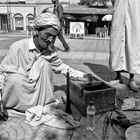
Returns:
point(47, 20)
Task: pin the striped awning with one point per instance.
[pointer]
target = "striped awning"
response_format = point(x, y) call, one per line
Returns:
point(90, 18)
point(69, 17)
point(83, 9)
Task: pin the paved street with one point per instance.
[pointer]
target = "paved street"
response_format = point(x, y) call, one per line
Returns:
point(81, 49)
point(89, 55)
point(89, 50)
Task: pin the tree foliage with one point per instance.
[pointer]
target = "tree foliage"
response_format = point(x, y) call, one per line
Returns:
point(91, 3)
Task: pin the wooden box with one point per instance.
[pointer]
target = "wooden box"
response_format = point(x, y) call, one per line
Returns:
point(102, 95)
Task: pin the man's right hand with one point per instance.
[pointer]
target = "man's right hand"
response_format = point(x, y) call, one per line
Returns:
point(89, 77)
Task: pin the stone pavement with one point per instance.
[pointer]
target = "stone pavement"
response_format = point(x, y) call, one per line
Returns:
point(89, 55)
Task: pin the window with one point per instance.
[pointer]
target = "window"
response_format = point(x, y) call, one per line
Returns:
point(18, 22)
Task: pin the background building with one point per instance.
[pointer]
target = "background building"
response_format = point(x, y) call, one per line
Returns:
point(42, 4)
point(16, 14)
point(91, 16)
point(19, 14)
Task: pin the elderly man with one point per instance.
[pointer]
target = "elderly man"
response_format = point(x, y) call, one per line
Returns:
point(27, 68)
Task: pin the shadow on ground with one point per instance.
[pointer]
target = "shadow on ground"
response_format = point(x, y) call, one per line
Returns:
point(104, 72)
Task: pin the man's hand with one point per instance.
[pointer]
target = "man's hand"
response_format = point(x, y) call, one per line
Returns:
point(89, 77)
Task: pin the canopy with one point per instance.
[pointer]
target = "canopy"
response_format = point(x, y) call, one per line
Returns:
point(90, 18)
point(84, 9)
point(69, 17)
point(107, 18)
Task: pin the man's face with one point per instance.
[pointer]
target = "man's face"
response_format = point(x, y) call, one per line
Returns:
point(45, 38)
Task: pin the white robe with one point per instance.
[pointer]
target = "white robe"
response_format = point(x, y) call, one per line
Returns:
point(29, 79)
point(125, 37)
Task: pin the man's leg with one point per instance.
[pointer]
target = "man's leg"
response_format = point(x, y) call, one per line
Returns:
point(20, 93)
point(132, 84)
point(62, 39)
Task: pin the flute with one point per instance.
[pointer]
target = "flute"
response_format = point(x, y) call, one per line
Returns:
point(68, 105)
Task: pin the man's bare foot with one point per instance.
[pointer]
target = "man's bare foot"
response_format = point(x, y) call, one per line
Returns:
point(119, 79)
point(133, 86)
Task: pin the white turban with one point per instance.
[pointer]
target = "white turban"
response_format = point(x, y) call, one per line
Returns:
point(47, 20)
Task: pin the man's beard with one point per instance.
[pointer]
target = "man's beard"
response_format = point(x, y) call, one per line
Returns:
point(50, 49)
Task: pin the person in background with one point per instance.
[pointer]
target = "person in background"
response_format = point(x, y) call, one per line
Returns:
point(125, 42)
point(29, 65)
point(58, 10)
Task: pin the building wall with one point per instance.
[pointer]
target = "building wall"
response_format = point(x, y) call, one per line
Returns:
point(74, 1)
point(24, 11)
point(15, 10)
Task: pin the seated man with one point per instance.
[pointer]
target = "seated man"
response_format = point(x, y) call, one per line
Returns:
point(27, 68)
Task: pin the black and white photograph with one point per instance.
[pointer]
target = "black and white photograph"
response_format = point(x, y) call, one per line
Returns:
point(69, 69)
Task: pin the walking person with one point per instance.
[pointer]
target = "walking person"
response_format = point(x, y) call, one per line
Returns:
point(125, 42)
point(58, 10)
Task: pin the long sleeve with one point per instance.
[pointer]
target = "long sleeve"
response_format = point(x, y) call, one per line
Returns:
point(59, 67)
point(63, 68)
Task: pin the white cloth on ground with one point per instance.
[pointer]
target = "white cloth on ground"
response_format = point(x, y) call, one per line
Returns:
point(50, 115)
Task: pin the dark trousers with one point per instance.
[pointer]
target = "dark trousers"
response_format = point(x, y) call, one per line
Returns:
point(62, 39)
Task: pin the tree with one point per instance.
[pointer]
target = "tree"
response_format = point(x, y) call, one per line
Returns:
point(91, 3)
